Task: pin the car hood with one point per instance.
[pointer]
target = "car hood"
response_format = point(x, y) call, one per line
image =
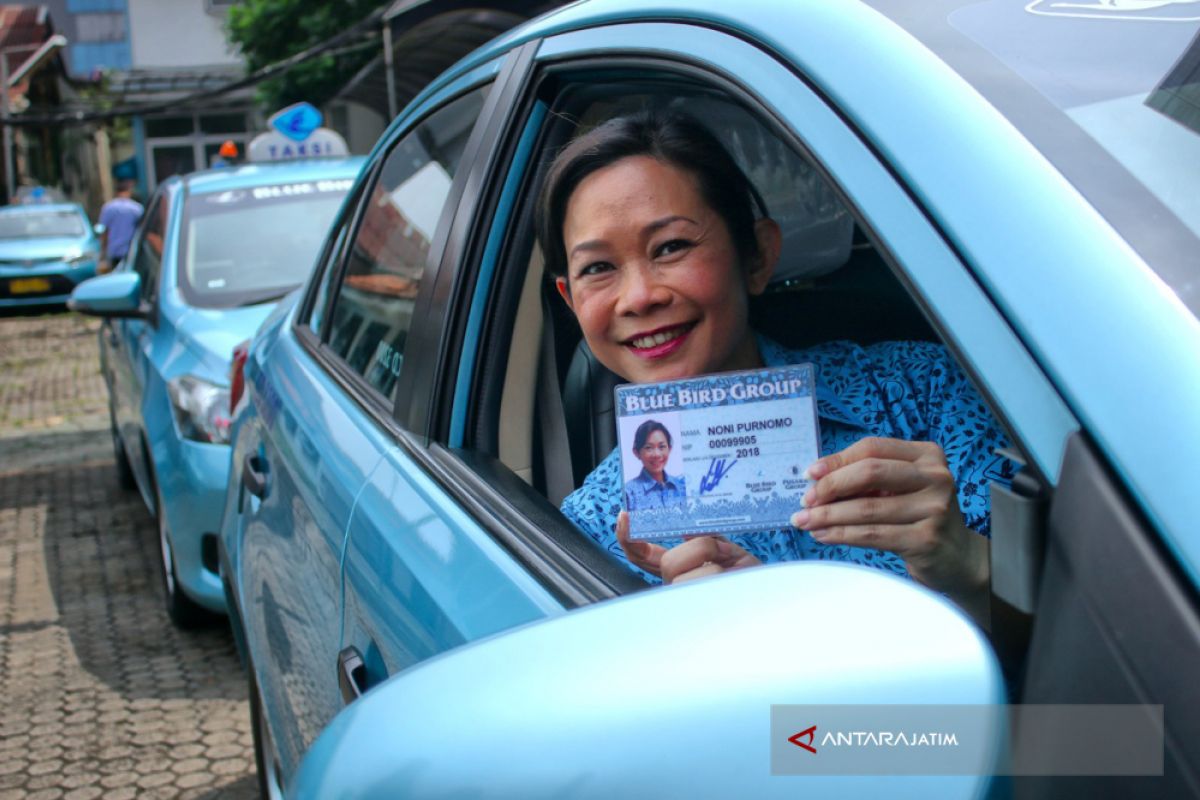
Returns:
point(16, 249)
point(212, 333)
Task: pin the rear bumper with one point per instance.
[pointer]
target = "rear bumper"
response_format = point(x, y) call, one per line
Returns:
point(60, 280)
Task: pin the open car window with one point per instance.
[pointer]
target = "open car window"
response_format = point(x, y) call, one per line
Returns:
point(540, 414)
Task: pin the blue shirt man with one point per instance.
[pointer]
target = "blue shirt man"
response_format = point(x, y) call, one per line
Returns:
point(119, 217)
point(899, 390)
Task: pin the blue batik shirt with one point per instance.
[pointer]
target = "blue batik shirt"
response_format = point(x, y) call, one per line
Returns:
point(645, 492)
point(898, 390)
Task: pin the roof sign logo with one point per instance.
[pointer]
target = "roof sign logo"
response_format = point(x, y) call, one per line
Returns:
point(296, 133)
point(297, 121)
point(1146, 10)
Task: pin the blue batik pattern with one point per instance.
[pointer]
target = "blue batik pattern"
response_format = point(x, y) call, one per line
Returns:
point(900, 390)
point(644, 492)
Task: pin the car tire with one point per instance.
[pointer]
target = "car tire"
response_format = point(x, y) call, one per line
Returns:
point(125, 478)
point(184, 612)
point(265, 759)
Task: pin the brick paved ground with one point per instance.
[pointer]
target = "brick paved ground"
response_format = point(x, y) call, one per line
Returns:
point(101, 697)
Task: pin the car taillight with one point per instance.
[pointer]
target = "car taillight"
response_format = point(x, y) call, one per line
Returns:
point(237, 375)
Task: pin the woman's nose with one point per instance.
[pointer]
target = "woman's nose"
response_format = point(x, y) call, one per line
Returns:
point(641, 290)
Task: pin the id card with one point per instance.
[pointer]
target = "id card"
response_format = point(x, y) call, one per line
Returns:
point(717, 454)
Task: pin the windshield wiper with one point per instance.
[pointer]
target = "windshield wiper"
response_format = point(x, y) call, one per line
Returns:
point(271, 297)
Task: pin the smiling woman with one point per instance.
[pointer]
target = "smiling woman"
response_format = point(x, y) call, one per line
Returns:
point(657, 241)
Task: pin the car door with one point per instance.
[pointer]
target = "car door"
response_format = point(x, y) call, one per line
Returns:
point(129, 340)
point(929, 202)
point(453, 537)
point(323, 385)
point(421, 575)
point(900, 175)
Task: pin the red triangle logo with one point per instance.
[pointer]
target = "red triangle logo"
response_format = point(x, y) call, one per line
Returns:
point(810, 734)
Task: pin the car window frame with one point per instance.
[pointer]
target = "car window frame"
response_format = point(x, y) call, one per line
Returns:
point(385, 412)
point(149, 290)
point(470, 474)
point(330, 261)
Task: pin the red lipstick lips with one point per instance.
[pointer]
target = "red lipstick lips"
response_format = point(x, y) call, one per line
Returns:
point(678, 334)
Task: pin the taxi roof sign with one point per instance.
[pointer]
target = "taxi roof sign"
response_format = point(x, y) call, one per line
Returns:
point(297, 121)
point(297, 134)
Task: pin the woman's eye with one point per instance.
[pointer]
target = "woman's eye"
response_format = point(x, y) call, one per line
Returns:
point(671, 247)
point(595, 268)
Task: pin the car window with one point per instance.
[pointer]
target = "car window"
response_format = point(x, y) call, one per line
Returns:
point(835, 283)
point(313, 315)
point(252, 245)
point(148, 261)
point(41, 224)
point(386, 259)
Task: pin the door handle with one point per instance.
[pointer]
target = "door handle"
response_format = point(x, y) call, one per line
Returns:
point(254, 475)
point(352, 674)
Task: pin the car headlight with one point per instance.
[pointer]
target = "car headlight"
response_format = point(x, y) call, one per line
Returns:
point(83, 258)
point(201, 409)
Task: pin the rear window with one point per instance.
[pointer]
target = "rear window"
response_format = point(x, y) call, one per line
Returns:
point(44, 225)
point(1108, 90)
point(253, 245)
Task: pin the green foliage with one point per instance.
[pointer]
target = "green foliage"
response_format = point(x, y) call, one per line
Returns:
point(267, 31)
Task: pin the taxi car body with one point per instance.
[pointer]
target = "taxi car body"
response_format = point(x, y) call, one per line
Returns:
point(214, 253)
point(970, 173)
point(46, 249)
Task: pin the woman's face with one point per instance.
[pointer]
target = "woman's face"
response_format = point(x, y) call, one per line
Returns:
point(655, 452)
point(653, 275)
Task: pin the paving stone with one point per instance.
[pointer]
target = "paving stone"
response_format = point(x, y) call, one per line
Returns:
point(193, 780)
point(84, 793)
point(102, 697)
point(155, 779)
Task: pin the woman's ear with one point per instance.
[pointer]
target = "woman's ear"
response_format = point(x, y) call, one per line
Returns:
point(770, 241)
point(564, 291)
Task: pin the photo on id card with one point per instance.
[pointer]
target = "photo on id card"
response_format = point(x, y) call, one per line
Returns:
point(721, 453)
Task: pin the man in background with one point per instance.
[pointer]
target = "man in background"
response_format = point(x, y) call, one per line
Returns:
point(119, 217)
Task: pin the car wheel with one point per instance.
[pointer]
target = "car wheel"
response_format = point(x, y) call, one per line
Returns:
point(125, 477)
point(184, 612)
point(265, 758)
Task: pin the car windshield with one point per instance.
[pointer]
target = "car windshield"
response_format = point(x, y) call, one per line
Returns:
point(1108, 90)
point(40, 224)
point(252, 245)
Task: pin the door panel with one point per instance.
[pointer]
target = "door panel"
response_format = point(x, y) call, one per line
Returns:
point(312, 444)
point(1115, 623)
point(423, 577)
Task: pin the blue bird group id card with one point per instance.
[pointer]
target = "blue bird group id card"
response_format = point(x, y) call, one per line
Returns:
point(717, 454)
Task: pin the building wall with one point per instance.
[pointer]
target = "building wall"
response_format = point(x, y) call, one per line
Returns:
point(359, 125)
point(178, 33)
point(98, 31)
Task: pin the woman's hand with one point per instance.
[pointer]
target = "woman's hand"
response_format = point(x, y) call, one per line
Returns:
point(695, 558)
point(900, 496)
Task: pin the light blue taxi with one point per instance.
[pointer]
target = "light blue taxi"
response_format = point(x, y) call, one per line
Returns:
point(46, 249)
point(214, 253)
point(1015, 180)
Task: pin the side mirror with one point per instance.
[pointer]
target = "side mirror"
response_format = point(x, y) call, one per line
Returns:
point(99, 228)
point(669, 693)
point(117, 294)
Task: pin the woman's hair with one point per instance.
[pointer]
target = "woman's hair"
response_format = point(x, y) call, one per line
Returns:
point(643, 433)
point(672, 138)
